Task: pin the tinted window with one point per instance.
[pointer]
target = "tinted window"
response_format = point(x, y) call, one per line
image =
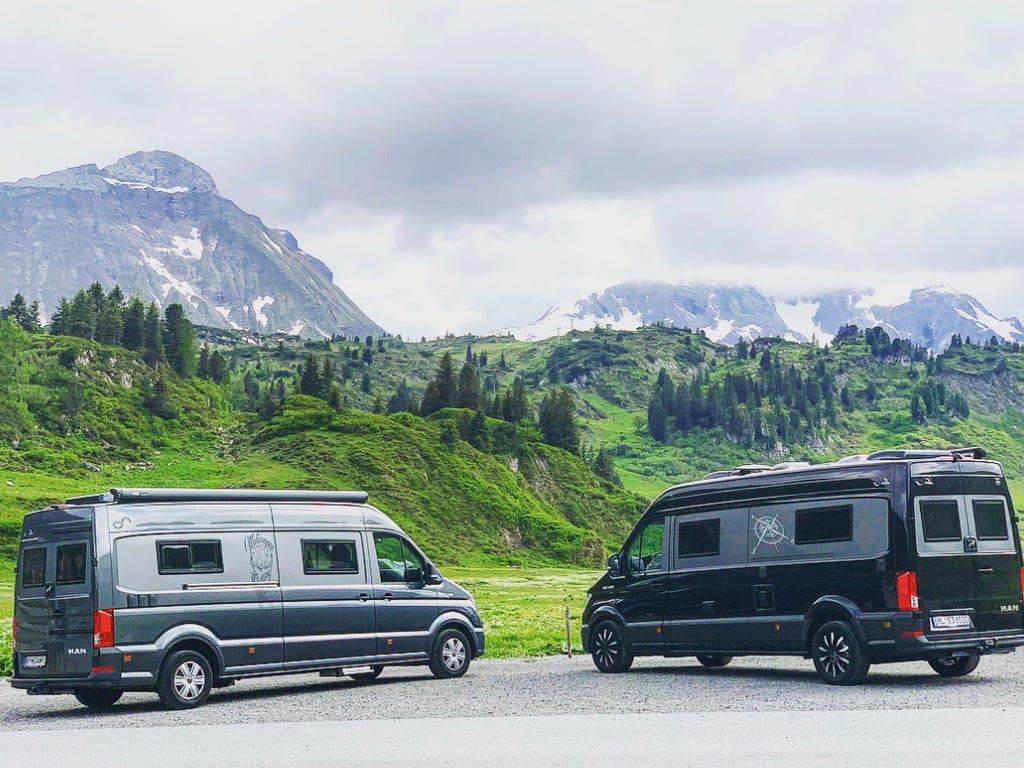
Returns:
point(817, 526)
point(990, 520)
point(645, 553)
point(33, 567)
point(189, 557)
point(940, 521)
point(71, 564)
point(329, 557)
point(390, 558)
point(699, 539)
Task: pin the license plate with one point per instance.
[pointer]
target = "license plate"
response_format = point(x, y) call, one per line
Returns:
point(955, 621)
point(33, 662)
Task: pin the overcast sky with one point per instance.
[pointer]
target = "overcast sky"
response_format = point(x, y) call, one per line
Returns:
point(464, 167)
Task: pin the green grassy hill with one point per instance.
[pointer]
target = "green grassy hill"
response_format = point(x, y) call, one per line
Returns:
point(613, 375)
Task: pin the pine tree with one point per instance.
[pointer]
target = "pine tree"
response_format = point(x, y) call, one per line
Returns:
point(501, 362)
point(18, 311)
point(365, 384)
point(558, 420)
point(81, 317)
point(109, 317)
point(518, 408)
point(442, 390)
point(657, 418)
point(477, 430)
point(309, 377)
point(401, 400)
point(603, 466)
point(58, 323)
point(218, 367)
point(469, 388)
point(916, 409)
point(152, 336)
point(134, 316)
point(203, 366)
point(179, 341)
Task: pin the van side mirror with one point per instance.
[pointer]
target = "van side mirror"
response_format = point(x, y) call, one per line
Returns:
point(433, 576)
point(414, 575)
point(614, 567)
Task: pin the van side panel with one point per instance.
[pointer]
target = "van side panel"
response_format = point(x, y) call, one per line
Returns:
point(234, 608)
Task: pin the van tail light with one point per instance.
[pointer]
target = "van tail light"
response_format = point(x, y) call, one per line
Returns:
point(1022, 581)
point(906, 591)
point(102, 629)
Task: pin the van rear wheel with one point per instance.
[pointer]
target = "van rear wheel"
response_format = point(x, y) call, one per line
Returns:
point(609, 649)
point(97, 698)
point(713, 660)
point(838, 655)
point(186, 680)
point(955, 666)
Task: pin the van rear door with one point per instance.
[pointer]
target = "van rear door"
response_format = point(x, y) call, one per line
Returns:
point(54, 594)
point(993, 525)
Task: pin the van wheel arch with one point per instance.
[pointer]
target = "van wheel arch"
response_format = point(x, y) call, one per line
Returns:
point(201, 647)
point(458, 626)
point(826, 610)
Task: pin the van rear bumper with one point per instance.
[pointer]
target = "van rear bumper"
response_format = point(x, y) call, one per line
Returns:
point(922, 647)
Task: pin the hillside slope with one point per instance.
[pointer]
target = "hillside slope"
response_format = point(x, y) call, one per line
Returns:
point(77, 417)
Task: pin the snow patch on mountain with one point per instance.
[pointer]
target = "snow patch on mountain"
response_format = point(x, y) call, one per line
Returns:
point(257, 308)
point(182, 287)
point(800, 317)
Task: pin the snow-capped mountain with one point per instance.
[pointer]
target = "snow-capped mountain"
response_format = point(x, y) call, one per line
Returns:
point(155, 224)
point(930, 316)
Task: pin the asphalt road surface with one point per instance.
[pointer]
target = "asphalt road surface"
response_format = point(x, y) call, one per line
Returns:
point(548, 712)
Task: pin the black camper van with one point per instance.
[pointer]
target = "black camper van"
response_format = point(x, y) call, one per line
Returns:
point(893, 556)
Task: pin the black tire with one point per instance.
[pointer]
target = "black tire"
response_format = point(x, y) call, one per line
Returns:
point(186, 680)
point(955, 666)
point(366, 677)
point(609, 648)
point(838, 655)
point(97, 698)
point(713, 660)
point(451, 655)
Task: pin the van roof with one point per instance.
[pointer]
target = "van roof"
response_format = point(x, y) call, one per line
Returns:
point(753, 474)
point(148, 495)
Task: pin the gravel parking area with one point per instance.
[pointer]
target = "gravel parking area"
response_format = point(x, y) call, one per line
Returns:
point(545, 686)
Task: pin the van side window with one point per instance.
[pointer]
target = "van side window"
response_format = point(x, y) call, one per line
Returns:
point(33, 567)
point(700, 539)
point(825, 524)
point(71, 564)
point(990, 520)
point(329, 557)
point(189, 557)
point(645, 553)
point(397, 561)
point(940, 520)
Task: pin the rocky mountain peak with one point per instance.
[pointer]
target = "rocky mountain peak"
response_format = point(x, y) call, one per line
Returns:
point(162, 170)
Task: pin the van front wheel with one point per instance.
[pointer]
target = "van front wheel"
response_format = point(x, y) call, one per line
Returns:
point(955, 666)
point(97, 698)
point(838, 656)
point(451, 655)
point(609, 648)
point(185, 680)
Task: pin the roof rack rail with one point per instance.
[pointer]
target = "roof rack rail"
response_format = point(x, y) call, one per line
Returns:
point(790, 465)
point(954, 453)
point(855, 458)
point(740, 471)
point(144, 495)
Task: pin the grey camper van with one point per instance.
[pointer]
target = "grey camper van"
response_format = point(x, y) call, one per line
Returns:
point(182, 591)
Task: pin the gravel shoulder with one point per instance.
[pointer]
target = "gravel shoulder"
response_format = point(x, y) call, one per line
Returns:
point(546, 686)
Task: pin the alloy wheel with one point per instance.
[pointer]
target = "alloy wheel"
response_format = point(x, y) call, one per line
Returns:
point(834, 654)
point(606, 647)
point(189, 681)
point(453, 653)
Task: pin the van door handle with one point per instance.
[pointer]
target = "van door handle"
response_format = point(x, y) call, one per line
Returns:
point(986, 570)
point(389, 596)
point(363, 597)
